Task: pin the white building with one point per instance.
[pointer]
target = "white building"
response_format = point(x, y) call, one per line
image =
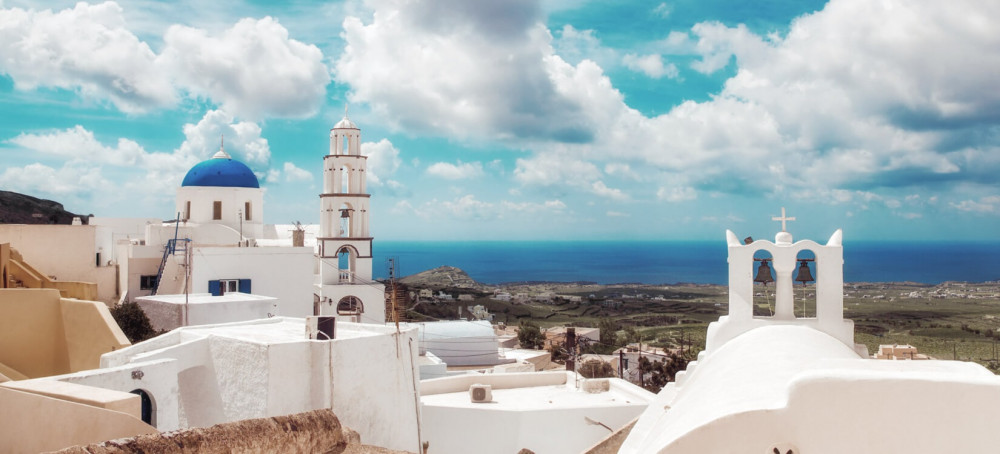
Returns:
point(788, 384)
point(345, 287)
point(213, 246)
point(167, 312)
point(203, 375)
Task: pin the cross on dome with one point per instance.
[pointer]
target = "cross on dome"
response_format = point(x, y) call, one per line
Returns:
point(221, 154)
point(783, 219)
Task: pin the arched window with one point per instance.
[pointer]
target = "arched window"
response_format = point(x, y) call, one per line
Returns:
point(350, 306)
point(804, 280)
point(345, 180)
point(763, 284)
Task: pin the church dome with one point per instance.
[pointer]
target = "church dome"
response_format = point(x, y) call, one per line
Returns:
point(345, 123)
point(222, 171)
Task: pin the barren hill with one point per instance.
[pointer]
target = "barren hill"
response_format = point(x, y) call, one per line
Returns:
point(18, 208)
point(441, 277)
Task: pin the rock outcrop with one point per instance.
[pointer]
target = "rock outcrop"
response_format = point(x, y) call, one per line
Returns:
point(18, 208)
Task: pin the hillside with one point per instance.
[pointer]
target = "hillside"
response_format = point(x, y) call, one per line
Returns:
point(441, 277)
point(24, 209)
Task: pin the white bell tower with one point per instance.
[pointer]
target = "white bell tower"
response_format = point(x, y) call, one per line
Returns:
point(346, 288)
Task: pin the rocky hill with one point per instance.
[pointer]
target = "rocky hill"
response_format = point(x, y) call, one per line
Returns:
point(441, 277)
point(24, 209)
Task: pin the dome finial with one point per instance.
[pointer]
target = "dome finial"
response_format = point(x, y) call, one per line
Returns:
point(221, 154)
point(345, 123)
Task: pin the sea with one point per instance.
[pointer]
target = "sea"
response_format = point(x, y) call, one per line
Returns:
point(674, 262)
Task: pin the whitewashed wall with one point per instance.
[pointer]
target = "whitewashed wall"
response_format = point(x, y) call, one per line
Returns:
point(281, 272)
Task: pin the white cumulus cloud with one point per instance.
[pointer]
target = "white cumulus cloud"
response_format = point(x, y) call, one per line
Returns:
point(87, 49)
point(253, 69)
point(293, 173)
point(650, 65)
point(383, 160)
point(459, 171)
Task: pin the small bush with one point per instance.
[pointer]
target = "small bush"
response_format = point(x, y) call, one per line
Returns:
point(133, 322)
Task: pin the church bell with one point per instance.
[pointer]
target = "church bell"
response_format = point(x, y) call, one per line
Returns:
point(764, 273)
point(345, 213)
point(804, 275)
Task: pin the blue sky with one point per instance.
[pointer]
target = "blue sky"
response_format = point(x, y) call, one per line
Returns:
point(523, 119)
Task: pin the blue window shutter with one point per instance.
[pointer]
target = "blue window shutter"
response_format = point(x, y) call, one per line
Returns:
point(244, 285)
point(214, 288)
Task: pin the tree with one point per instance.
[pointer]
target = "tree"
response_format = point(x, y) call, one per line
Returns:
point(609, 336)
point(595, 368)
point(133, 322)
point(658, 373)
point(529, 335)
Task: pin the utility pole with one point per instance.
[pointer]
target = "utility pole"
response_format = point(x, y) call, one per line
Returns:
point(392, 292)
point(571, 348)
point(642, 375)
point(621, 363)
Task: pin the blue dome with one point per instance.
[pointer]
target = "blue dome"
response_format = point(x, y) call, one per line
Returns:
point(224, 172)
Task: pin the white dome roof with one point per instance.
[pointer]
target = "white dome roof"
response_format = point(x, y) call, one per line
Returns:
point(346, 123)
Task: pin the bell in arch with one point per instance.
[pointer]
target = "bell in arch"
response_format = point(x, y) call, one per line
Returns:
point(764, 273)
point(804, 275)
point(345, 213)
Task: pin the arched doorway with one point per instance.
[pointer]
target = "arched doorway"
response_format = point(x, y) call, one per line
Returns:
point(148, 411)
point(346, 257)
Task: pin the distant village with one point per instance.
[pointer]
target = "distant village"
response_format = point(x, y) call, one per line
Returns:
point(214, 331)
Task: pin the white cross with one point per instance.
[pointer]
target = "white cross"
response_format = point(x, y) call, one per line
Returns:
point(783, 219)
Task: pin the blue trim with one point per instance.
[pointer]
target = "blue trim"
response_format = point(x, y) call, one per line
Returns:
point(244, 285)
point(215, 288)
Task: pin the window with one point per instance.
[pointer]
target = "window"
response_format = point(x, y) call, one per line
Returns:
point(350, 305)
point(222, 286)
point(187, 210)
point(246, 210)
point(147, 282)
point(217, 210)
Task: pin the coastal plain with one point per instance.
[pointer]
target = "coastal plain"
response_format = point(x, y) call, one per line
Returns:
point(951, 320)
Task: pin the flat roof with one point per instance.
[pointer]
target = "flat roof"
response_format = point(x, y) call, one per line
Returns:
point(546, 397)
point(206, 298)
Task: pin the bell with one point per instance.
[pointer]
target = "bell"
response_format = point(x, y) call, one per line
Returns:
point(804, 274)
point(345, 213)
point(764, 273)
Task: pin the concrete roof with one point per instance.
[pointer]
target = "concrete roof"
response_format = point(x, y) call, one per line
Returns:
point(206, 298)
point(532, 392)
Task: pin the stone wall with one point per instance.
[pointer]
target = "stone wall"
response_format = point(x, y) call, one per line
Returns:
point(317, 431)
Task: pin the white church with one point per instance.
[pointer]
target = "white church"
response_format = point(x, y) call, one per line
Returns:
point(219, 246)
point(788, 383)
